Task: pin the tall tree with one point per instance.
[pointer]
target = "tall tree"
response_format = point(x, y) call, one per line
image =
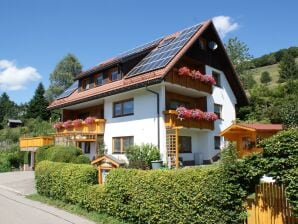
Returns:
point(37, 107)
point(62, 76)
point(8, 109)
point(288, 70)
point(239, 55)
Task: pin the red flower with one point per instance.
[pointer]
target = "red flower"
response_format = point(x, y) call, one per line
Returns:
point(77, 122)
point(67, 124)
point(210, 116)
point(90, 120)
point(58, 125)
point(197, 114)
point(184, 71)
point(209, 79)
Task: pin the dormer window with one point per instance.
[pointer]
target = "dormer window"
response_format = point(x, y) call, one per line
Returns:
point(85, 84)
point(99, 80)
point(115, 76)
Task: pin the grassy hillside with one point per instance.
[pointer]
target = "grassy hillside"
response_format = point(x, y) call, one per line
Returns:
point(272, 69)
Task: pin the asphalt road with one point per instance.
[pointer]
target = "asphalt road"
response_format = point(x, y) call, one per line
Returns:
point(16, 209)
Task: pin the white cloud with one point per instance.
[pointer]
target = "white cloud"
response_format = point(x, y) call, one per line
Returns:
point(14, 78)
point(224, 25)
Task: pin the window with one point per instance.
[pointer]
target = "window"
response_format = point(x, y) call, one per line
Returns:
point(123, 108)
point(184, 144)
point(115, 76)
point(217, 142)
point(86, 147)
point(216, 76)
point(99, 80)
point(85, 84)
point(120, 144)
point(218, 110)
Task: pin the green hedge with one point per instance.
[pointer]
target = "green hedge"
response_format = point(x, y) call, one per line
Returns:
point(64, 181)
point(59, 153)
point(195, 195)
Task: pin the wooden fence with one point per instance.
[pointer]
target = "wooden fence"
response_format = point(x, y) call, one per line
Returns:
point(269, 206)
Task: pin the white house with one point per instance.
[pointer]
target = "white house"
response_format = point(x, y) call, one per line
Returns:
point(134, 97)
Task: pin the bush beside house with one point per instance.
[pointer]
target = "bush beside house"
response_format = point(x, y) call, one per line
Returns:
point(60, 153)
point(195, 195)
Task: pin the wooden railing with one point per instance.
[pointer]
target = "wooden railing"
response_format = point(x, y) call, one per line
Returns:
point(34, 142)
point(171, 120)
point(97, 127)
point(269, 206)
point(187, 81)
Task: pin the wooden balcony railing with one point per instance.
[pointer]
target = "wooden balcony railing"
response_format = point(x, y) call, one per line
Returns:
point(171, 120)
point(27, 143)
point(97, 127)
point(187, 81)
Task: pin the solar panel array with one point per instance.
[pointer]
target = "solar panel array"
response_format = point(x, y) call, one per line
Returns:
point(162, 55)
point(69, 90)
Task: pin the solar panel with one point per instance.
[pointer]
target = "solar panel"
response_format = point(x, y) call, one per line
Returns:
point(69, 90)
point(139, 49)
point(161, 56)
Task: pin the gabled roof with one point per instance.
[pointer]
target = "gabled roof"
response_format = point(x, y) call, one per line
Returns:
point(142, 74)
point(264, 127)
point(252, 128)
point(109, 158)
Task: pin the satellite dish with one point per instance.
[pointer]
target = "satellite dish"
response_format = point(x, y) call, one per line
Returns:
point(212, 45)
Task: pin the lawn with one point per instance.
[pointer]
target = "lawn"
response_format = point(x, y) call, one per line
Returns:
point(77, 210)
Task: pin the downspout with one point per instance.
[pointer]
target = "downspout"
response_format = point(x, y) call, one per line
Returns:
point(158, 113)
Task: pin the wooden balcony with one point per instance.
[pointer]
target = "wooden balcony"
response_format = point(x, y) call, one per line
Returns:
point(32, 143)
point(171, 120)
point(96, 128)
point(187, 82)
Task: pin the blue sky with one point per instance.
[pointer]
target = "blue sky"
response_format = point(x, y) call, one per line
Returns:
point(35, 35)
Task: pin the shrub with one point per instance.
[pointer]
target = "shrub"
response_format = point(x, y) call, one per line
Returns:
point(195, 195)
point(67, 182)
point(291, 181)
point(265, 77)
point(281, 152)
point(4, 164)
point(140, 156)
point(82, 159)
point(58, 153)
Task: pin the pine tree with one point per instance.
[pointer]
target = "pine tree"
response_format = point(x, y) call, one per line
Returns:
point(37, 107)
point(62, 77)
point(288, 70)
point(8, 109)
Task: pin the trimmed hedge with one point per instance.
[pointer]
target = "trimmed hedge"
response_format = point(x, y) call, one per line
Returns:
point(64, 181)
point(194, 195)
point(59, 153)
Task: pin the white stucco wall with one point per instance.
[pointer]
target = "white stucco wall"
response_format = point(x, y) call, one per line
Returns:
point(224, 96)
point(142, 124)
point(92, 153)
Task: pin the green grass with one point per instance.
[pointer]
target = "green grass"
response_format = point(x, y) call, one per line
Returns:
point(77, 210)
point(272, 69)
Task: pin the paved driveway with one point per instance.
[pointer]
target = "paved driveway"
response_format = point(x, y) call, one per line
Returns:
point(16, 209)
point(21, 182)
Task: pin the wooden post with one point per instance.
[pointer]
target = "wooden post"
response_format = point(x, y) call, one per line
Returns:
point(177, 148)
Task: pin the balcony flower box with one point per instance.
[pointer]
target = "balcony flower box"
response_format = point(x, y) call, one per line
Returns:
point(197, 75)
point(196, 114)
